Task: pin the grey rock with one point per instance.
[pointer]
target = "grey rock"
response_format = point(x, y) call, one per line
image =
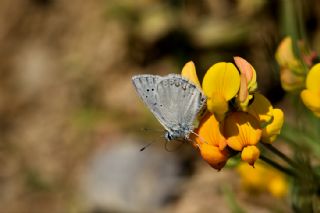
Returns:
point(120, 178)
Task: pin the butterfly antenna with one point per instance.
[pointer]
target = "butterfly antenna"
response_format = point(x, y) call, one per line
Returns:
point(146, 146)
point(196, 134)
point(145, 129)
point(150, 130)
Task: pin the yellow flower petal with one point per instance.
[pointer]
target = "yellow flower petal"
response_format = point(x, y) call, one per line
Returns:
point(217, 104)
point(271, 120)
point(292, 72)
point(211, 142)
point(222, 78)
point(284, 53)
point(250, 154)
point(213, 155)
point(252, 178)
point(286, 58)
point(261, 108)
point(269, 139)
point(253, 85)
point(220, 84)
point(209, 132)
point(270, 132)
point(241, 129)
point(262, 177)
point(278, 186)
point(189, 72)
point(313, 79)
point(291, 81)
point(312, 100)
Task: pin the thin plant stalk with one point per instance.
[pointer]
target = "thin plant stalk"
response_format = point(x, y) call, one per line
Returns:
point(280, 154)
point(277, 166)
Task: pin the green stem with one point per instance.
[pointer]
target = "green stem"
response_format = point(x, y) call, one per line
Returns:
point(277, 166)
point(280, 154)
point(299, 10)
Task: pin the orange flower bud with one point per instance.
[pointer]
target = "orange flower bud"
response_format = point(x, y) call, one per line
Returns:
point(250, 154)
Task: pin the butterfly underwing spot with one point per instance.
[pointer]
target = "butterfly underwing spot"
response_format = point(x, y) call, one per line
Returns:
point(171, 82)
point(184, 87)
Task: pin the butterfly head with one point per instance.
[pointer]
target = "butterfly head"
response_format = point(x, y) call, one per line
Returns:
point(180, 134)
point(168, 136)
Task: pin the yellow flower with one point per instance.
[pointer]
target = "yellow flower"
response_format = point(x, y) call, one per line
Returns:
point(261, 108)
point(248, 81)
point(272, 130)
point(289, 80)
point(278, 186)
point(311, 95)
point(286, 58)
point(215, 157)
point(271, 120)
point(241, 129)
point(243, 132)
point(210, 132)
point(251, 177)
point(291, 68)
point(211, 142)
point(189, 72)
point(220, 84)
point(263, 178)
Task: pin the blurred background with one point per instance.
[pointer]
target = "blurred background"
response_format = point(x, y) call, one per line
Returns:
point(71, 124)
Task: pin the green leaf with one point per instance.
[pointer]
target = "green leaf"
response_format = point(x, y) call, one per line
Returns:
point(233, 162)
point(299, 140)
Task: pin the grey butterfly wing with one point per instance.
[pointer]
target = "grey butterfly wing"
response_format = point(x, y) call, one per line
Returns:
point(146, 88)
point(179, 102)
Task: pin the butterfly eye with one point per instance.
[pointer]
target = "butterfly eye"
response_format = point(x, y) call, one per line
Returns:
point(168, 136)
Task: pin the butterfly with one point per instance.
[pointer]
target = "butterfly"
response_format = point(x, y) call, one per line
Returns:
point(173, 100)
